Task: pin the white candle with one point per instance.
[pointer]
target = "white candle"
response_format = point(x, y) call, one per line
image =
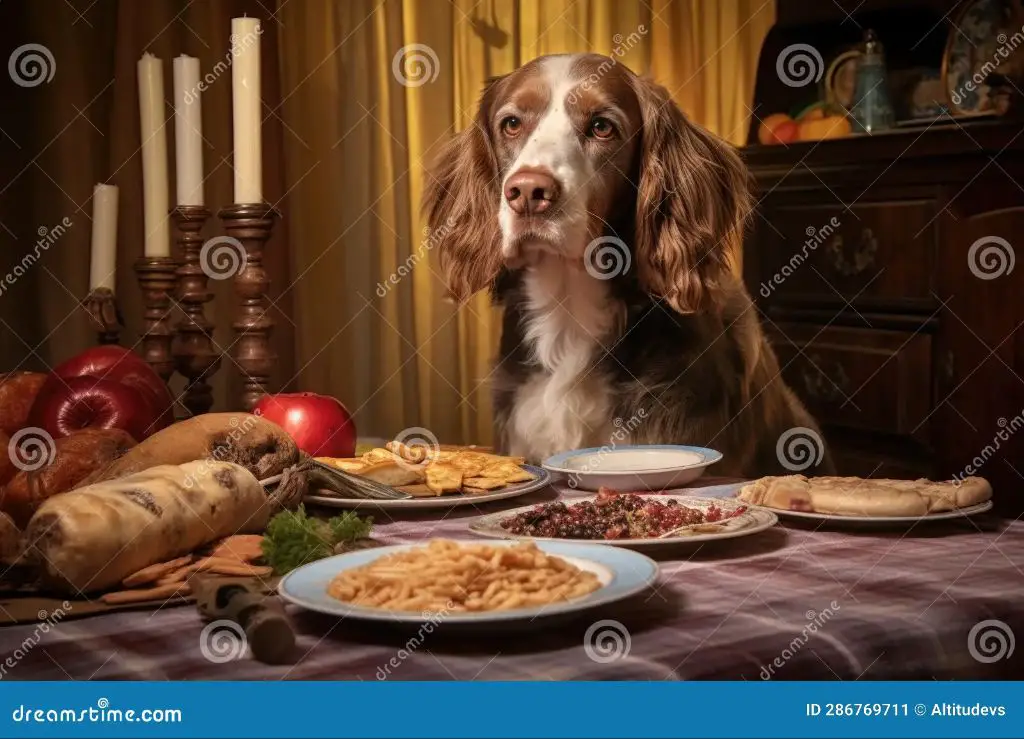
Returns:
point(104, 237)
point(154, 156)
point(188, 131)
point(246, 110)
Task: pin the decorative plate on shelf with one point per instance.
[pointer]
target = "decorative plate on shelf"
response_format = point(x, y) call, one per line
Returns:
point(841, 79)
point(972, 52)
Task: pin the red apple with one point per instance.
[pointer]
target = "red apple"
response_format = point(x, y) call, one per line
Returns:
point(103, 387)
point(320, 425)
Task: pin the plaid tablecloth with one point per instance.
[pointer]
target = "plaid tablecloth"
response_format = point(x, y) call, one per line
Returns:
point(939, 601)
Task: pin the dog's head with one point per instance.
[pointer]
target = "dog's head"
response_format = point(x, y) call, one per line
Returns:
point(570, 149)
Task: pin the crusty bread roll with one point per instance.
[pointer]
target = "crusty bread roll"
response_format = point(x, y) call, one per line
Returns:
point(92, 538)
point(74, 457)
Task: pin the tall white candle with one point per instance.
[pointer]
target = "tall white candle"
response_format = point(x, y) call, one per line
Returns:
point(154, 156)
point(103, 260)
point(246, 110)
point(188, 131)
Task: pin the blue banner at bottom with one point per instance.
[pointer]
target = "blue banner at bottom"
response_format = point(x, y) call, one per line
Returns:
point(511, 710)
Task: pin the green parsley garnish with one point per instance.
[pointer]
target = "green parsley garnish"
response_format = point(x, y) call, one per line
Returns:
point(294, 538)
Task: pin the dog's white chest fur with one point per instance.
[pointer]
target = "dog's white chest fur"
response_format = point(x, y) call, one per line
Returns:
point(565, 404)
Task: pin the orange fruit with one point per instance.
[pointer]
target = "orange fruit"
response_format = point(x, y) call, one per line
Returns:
point(786, 132)
point(768, 125)
point(828, 127)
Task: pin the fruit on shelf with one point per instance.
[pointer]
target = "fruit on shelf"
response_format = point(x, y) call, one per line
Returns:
point(827, 127)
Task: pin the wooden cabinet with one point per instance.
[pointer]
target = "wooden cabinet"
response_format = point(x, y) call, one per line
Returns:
point(884, 266)
point(884, 270)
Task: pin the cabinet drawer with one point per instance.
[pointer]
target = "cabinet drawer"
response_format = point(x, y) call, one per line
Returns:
point(872, 380)
point(880, 251)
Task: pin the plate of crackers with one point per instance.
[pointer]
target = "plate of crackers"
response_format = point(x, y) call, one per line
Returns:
point(434, 477)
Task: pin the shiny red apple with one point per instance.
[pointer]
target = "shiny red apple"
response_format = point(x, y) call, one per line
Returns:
point(320, 425)
point(103, 387)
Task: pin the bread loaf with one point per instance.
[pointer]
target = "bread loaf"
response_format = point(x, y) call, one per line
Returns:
point(7, 468)
point(93, 537)
point(10, 541)
point(262, 447)
point(18, 391)
point(74, 457)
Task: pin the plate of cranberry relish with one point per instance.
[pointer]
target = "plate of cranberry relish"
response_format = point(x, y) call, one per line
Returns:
point(628, 520)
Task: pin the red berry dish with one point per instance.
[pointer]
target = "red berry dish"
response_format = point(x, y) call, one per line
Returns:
point(613, 516)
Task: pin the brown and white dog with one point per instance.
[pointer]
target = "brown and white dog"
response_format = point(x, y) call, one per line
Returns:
point(602, 219)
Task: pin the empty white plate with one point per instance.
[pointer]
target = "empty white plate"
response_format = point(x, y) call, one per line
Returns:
point(631, 469)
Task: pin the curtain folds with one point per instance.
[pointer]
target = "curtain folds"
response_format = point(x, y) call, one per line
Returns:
point(372, 88)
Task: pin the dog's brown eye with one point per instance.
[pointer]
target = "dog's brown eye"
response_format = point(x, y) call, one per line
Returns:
point(602, 128)
point(511, 126)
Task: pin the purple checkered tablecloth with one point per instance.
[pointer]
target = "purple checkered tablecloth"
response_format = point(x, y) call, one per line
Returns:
point(794, 602)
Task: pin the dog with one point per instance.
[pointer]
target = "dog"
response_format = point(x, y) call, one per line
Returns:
point(602, 220)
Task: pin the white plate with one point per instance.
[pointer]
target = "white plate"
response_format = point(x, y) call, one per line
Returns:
point(441, 501)
point(628, 469)
point(622, 574)
point(752, 521)
point(973, 510)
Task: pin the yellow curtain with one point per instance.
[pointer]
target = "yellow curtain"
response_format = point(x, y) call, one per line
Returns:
point(371, 90)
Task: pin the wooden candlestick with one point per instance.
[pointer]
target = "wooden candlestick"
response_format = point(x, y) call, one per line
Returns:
point(194, 355)
point(106, 319)
point(250, 224)
point(157, 280)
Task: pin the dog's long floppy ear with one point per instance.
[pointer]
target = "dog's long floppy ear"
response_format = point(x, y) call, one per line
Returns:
point(460, 202)
point(693, 198)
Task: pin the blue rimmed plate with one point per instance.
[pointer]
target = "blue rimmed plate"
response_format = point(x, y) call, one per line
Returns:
point(631, 469)
point(622, 573)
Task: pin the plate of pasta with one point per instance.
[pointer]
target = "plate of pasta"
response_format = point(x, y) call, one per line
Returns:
point(465, 582)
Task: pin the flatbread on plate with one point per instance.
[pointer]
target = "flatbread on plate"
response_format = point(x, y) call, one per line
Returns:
point(856, 496)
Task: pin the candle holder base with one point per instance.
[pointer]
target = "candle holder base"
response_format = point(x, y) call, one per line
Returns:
point(194, 355)
point(250, 225)
point(101, 305)
point(156, 277)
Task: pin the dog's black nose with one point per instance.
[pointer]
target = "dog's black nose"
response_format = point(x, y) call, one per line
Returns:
point(530, 192)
